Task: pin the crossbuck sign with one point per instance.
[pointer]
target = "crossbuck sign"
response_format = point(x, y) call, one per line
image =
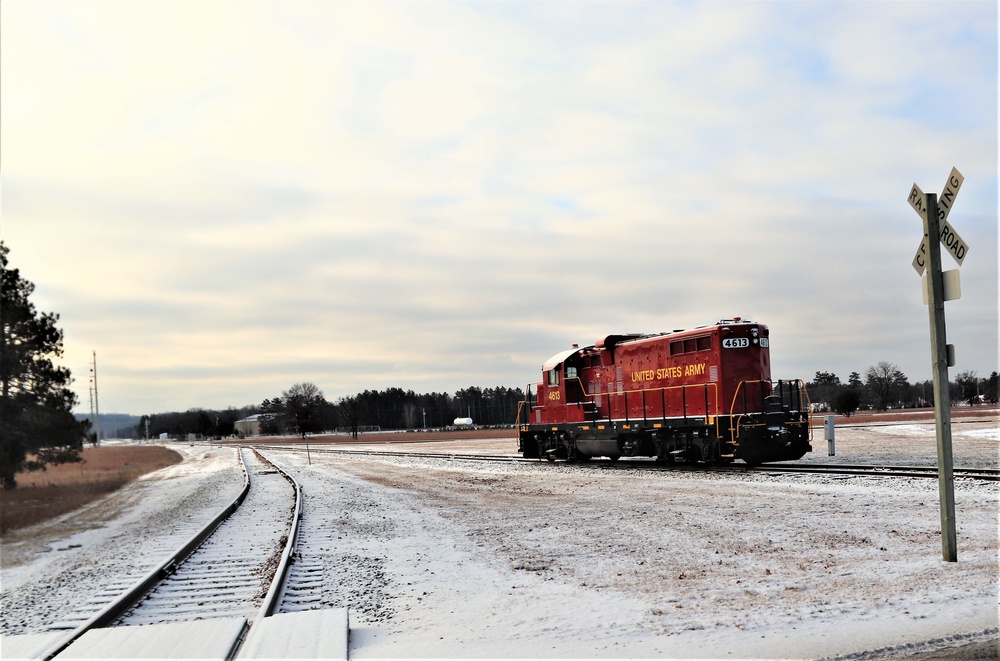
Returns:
point(949, 237)
point(934, 214)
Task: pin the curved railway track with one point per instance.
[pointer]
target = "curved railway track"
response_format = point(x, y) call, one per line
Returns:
point(987, 474)
point(303, 586)
point(234, 566)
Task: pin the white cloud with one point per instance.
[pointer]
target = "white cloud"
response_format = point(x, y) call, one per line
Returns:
point(225, 199)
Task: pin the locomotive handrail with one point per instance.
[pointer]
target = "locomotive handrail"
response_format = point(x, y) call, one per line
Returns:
point(663, 409)
point(520, 407)
point(736, 421)
point(684, 387)
point(525, 405)
point(734, 427)
point(734, 430)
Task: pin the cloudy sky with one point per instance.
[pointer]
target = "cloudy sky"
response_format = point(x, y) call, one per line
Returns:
point(223, 199)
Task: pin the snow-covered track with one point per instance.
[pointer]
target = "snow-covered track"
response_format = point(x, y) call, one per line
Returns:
point(464, 456)
point(230, 574)
point(234, 566)
point(986, 474)
point(303, 586)
point(279, 583)
point(321, 576)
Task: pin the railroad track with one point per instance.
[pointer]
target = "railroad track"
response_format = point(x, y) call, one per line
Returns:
point(303, 586)
point(234, 566)
point(987, 474)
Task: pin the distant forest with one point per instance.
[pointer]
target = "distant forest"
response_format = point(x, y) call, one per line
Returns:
point(390, 409)
point(303, 408)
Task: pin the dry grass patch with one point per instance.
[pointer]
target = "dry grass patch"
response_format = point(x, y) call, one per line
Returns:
point(43, 495)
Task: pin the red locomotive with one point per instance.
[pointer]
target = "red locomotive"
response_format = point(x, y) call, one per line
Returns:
point(696, 395)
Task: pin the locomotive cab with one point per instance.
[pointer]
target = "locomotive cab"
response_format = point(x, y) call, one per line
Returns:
point(562, 394)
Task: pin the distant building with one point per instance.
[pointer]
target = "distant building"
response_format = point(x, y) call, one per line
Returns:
point(250, 426)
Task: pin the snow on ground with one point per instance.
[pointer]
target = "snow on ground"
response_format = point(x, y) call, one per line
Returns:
point(440, 558)
point(50, 571)
point(488, 561)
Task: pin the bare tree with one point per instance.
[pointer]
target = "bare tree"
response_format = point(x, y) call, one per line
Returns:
point(885, 382)
point(349, 409)
point(410, 416)
point(968, 386)
point(302, 403)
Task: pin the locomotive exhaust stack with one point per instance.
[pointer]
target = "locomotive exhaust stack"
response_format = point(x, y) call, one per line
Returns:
point(700, 395)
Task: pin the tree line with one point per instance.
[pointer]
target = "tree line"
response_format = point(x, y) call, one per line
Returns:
point(303, 408)
point(885, 386)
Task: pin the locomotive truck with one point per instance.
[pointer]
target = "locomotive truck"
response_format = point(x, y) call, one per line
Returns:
point(699, 395)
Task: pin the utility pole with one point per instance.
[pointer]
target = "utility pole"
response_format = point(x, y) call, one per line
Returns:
point(97, 404)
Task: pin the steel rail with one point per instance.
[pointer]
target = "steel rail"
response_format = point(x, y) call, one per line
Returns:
point(166, 567)
point(987, 474)
point(276, 591)
point(277, 585)
point(399, 453)
point(131, 595)
point(882, 423)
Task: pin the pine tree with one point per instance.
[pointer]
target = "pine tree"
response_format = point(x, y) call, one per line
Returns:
point(37, 427)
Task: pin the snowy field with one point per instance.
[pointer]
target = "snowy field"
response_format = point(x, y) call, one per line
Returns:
point(439, 558)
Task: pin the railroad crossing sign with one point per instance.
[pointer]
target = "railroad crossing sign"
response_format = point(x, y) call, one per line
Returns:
point(949, 237)
point(936, 287)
